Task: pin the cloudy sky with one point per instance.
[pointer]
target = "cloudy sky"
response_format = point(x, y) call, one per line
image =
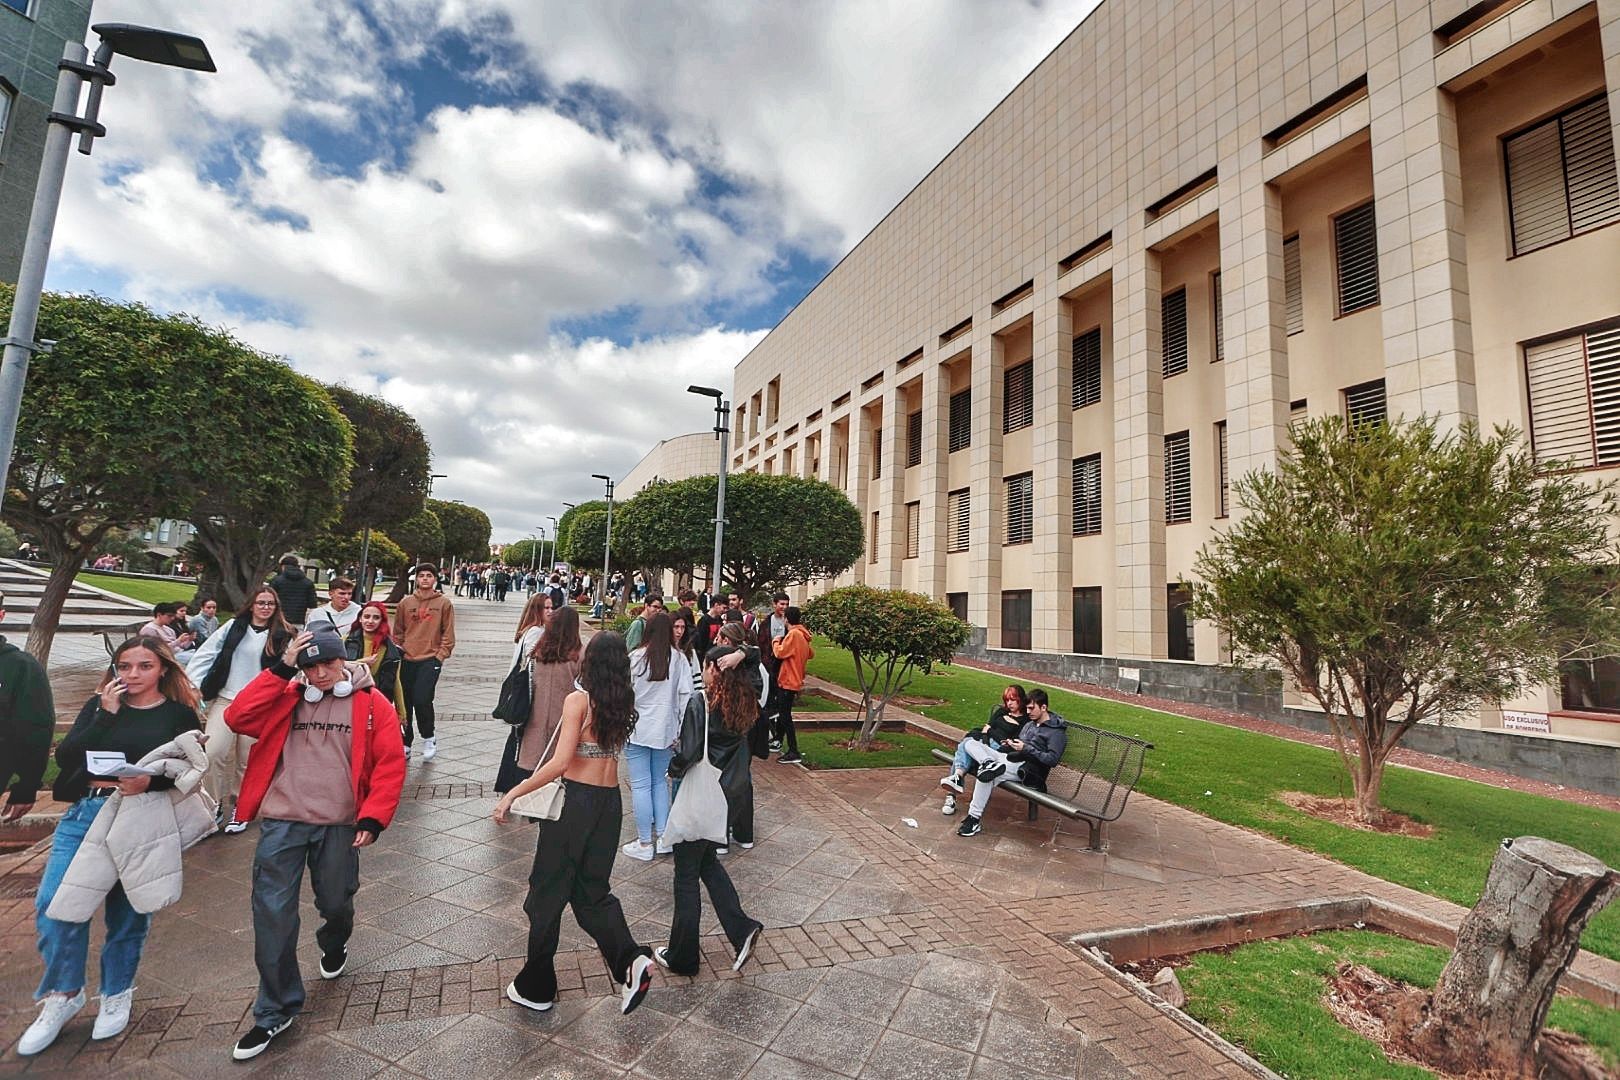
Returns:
point(531, 223)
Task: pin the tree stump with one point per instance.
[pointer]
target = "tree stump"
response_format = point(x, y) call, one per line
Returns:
point(1487, 1010)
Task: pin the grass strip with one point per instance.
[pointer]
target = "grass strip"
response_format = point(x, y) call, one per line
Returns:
point(142, 589)
point(821, 750)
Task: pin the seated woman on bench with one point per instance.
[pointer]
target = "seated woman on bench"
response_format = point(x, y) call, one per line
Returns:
point(1027, 759)
point(1006, 720)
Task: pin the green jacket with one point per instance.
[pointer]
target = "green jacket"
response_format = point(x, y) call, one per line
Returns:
point(27, 721)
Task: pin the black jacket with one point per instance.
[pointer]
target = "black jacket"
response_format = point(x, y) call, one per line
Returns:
point(220, 670)
point(27, 721)
point(297, 594)
point(387, 676)
point(1043, 748)
point(728, 752)
point(1002, 725)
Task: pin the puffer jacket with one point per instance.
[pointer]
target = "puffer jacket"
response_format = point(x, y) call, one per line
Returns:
point(136, 840)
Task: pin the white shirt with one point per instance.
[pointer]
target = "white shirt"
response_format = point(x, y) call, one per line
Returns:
point(660, 705)
point(343, 620)
point(525, 644)
point(245, 661)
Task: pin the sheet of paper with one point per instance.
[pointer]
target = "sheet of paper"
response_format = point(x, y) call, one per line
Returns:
point(112, 763)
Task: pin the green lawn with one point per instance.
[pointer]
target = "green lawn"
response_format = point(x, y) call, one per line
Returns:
point(1267, 998)
point(1234, 775)
point(147, 592)
point(904, 748)
point(810, 701)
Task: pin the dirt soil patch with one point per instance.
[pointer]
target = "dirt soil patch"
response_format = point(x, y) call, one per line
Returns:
point(911, 699)
point(1342, 812)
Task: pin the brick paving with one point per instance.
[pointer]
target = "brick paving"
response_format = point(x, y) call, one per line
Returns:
point(890, 951)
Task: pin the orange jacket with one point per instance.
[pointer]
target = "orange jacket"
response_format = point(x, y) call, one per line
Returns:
point(795, 652)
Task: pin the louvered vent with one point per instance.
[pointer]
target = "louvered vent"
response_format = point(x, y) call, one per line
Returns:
point(961, 420)
point(1560, 409)
point(1355, 243)
point(1293, 288)
point(1220, 468)
point(1018, 397)
point(1021, 508)
point(957, 508)
point(1088, 495)
point(913, 528)
point(1603, 360)
point(1215, 306)
point(877, 453)
point(1364, 404)
point(1594, 193)
point(1173, 307)
point(1087, 356)
point(914, 439)
point(1561, 177)
point(1177, 478)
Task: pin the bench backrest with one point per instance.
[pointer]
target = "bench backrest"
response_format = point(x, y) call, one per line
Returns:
point(1109, 765)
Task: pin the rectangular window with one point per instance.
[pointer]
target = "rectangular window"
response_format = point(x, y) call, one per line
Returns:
point(1364, 404)
point(1177, 478)
point(1561, 177)
point(1575, 398)
point(914, 439)
point(1219, 350)
point(1018, 397)
point(1088, 495)
point(957, 507)
point(1173, 309)
point(1088, 620)
point(913, 528)
point(1590, 685)
point(8, 99)
point(1021, 508)
point(1355, 247)
point(1180, 623)
point(1220, 468)
point(961, 420)
point(957, 601)
point(872, 541)
point(1015, 613)
point(21, 7)
point(877, 453)
point(1087, 358)
point(1293, 288)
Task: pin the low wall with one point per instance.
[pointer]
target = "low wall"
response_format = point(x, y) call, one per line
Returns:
point(1589, 766)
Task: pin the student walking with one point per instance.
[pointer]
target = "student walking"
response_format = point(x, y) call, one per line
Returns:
point(531, 624)
point(372, 643)
point(724, 713)
point(27, 722)
point(663, 685)
point(792, 650)
point(573, 856)
point(297, 592)
point(425, 628)
point(340, 609)
point(229, 660)
point(325, 774)
point(553, 674)
point(147, 703)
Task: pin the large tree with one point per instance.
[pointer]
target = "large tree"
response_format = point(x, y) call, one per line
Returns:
point(780, 531)
point(338, 550)
point(1397, 574)
point(565, 525)
point(389, 480)
point(466, 530)
point(421, 538)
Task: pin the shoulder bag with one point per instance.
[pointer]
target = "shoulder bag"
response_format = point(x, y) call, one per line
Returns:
point(517, 694)
point(544, 803)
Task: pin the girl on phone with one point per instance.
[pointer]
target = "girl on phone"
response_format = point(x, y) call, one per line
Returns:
point(146, 703)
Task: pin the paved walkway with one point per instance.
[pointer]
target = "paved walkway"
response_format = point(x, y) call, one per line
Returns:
point(890, 951)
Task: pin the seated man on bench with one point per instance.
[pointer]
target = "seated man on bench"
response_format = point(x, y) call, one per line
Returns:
point(1027, 759)
point(1006, 721)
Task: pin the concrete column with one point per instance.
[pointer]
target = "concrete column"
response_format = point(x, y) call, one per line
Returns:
point(1139, 578)
point(934, 473)
point(988, 516)
point(1422, 254)
point(891, 492)
point(1051, 605)
point(858, 465)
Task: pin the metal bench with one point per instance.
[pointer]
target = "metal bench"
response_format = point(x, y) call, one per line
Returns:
point(1108, 764)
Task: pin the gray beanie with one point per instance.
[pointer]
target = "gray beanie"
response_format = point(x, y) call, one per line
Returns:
point(327, 644)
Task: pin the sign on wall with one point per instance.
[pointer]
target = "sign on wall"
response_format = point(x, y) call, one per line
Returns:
point(1527, 721)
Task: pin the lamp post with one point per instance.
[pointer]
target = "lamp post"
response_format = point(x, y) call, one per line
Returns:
point(553, 561)
point(138, 43)
point(722, 431)
point(607, 544)
point(432, 477)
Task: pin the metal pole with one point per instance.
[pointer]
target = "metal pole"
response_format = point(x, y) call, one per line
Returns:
point(722, 414)
point(607, 547)
point(19, 340)
point(365, 552)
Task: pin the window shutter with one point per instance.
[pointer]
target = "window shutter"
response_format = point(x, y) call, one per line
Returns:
point(961, 420)
point(1088, 495)
point(1560, 412)
point(1177, 478)
point(1603, 362)
point(1018, 397)
point(877, 453)
point(1355, 242)
point(1087, 356)
point(913, 528)
point(1173, 336)
point(1364, 404)
point(914, 432)
point(1535, 170)
point(1220, 453)
point(872, 540)
point(1293, 289)
point(957, 505)
point(1594, 193)
point(1021, 508)
point(1215, 306)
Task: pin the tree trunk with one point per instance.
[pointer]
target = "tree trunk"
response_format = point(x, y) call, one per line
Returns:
point(42, 630)
point(402, 581)
point(1487, 1009)
point(873, 720)
point(1369, 782)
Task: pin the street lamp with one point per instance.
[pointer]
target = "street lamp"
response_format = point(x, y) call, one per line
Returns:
point(554, 531)
point(138, 43)
point(607, 543)
point(432, 476)
point(722, 431)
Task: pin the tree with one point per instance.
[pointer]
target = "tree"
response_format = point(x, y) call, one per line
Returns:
point(336, 550)
point(420, 537)
point(524, 553)
point(587, 534)
point(891, 635)
point(466, 529)
point(781, 531)
point(389, 480)
point(565, 525)
point(1398, 575)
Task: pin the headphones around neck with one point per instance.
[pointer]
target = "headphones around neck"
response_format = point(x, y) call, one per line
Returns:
point(342, 689)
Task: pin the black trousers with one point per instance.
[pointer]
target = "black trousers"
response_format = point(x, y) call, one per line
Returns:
point(421, 679)
point(573, 860)
point(695, 861)
point(784, 719)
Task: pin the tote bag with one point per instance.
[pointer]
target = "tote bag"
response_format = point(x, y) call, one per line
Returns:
point(699, 812)
point(517, 694)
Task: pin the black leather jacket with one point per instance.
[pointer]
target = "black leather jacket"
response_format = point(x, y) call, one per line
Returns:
point(728, 752)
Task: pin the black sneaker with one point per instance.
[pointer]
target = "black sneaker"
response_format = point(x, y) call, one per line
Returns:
point(790, 758)
point(969, 826)
point(991, 771)
point(253, 1043)
point(636, 984)
point(333, 963)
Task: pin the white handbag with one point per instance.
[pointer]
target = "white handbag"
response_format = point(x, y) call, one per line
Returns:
point(544, 803)
point(699, 811)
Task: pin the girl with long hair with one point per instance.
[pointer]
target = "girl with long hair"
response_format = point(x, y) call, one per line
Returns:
point(573, 856)
point(531, 624)
point(726, 711)
point(553, 672)
point(684, 637)
point(145, 703)
point(663, 683)
point(230, 659)
point(372, 640)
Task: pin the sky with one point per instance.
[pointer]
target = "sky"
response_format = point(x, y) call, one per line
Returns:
point(529, 223)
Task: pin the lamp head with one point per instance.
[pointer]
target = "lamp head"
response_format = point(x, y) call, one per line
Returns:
point(156, 46)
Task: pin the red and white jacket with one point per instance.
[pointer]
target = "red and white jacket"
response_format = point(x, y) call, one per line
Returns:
point(264, 711)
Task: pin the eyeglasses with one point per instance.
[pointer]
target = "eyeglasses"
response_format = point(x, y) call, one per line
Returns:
point(264, 603)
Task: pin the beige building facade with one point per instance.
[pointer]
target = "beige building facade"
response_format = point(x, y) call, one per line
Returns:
point(675, 458)
point(1191, 224)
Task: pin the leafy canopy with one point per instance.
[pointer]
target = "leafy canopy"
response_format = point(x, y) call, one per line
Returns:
point(466, 529)
point(389, 480)
point(420, 536)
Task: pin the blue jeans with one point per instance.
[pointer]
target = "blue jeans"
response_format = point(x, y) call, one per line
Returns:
point(649, 788)
point(65, 946)
point(961, 763)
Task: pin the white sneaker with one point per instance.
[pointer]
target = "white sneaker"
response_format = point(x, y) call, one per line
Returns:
point(54, 1013)
point(638, 850)
point(430, 749)
point(950, 806)
point(114, 1015)
point(665, 847)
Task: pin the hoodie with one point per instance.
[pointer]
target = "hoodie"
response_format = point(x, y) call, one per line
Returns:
point(1044, 744)
point(27, 720)
point(297, 594)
